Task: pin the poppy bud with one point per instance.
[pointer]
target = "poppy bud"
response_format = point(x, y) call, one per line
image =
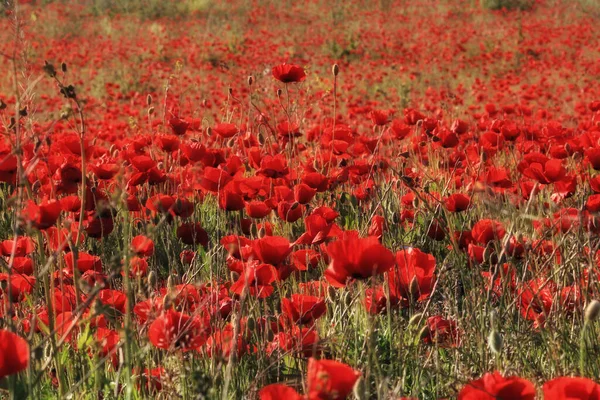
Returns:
point(171, 282)
point(234, 276)
point(261, 233)
point(149, 100)
point(261, 138)
point(279, 92)
point(251, 324)
point(166, 302)
point(250, 80)
point(495, 341)
point(335, 69)
point(359, 389)
point(414, 288)
point(151, 279)
point(151, 111)
point(294, 206)
point(231, 142)
point(592, 311)
point(208, 131)
point(38, 353)
point(63, 67)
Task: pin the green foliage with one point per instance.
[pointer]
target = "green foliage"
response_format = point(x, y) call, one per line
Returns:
point(507, 4)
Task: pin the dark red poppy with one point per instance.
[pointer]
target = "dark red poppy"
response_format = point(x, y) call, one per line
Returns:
point(179, 126)
point(494, 386)
point(593, 156)
point(442, 332)
point(192, 234)
point(458, 202)
point(288, 73)
point(357, 258)
point(329, 379)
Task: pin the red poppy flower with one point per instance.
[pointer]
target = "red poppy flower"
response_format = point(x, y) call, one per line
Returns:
point(593, 155)
point(179, 126)
point(142, 246)
point(536, 298)
point(487, 230)
point(14, 353)
point(442, 332)
point(272, 249)
point(192, 234)
point(377, 227)
point(258, 280)
point(330, 380)
point(458, 202)
point(221, 343)
point(23, 246)
point(225, 130)
point(571, 388)
point(413, 277)
point(230, 200)
point(303, 193)
point(42, 216)
point(303, 309)
point(495, 386)
point(305, 258)
point(288, 73)
point(177, 331)
point(113, 298)
point(257, 209)
point(301, 341)
point(277, 391)
point(353, 257)
point(85, 262)
point(108, 341)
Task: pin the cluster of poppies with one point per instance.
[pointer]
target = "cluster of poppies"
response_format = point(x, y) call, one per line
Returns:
point(236, 223)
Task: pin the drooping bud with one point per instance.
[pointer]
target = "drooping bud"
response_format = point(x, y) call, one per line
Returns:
point(495, 341)
point(335, 69)
point(152, 279)
point(592, 311)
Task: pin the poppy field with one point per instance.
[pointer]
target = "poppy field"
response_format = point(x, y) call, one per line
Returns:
point(315, 200)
